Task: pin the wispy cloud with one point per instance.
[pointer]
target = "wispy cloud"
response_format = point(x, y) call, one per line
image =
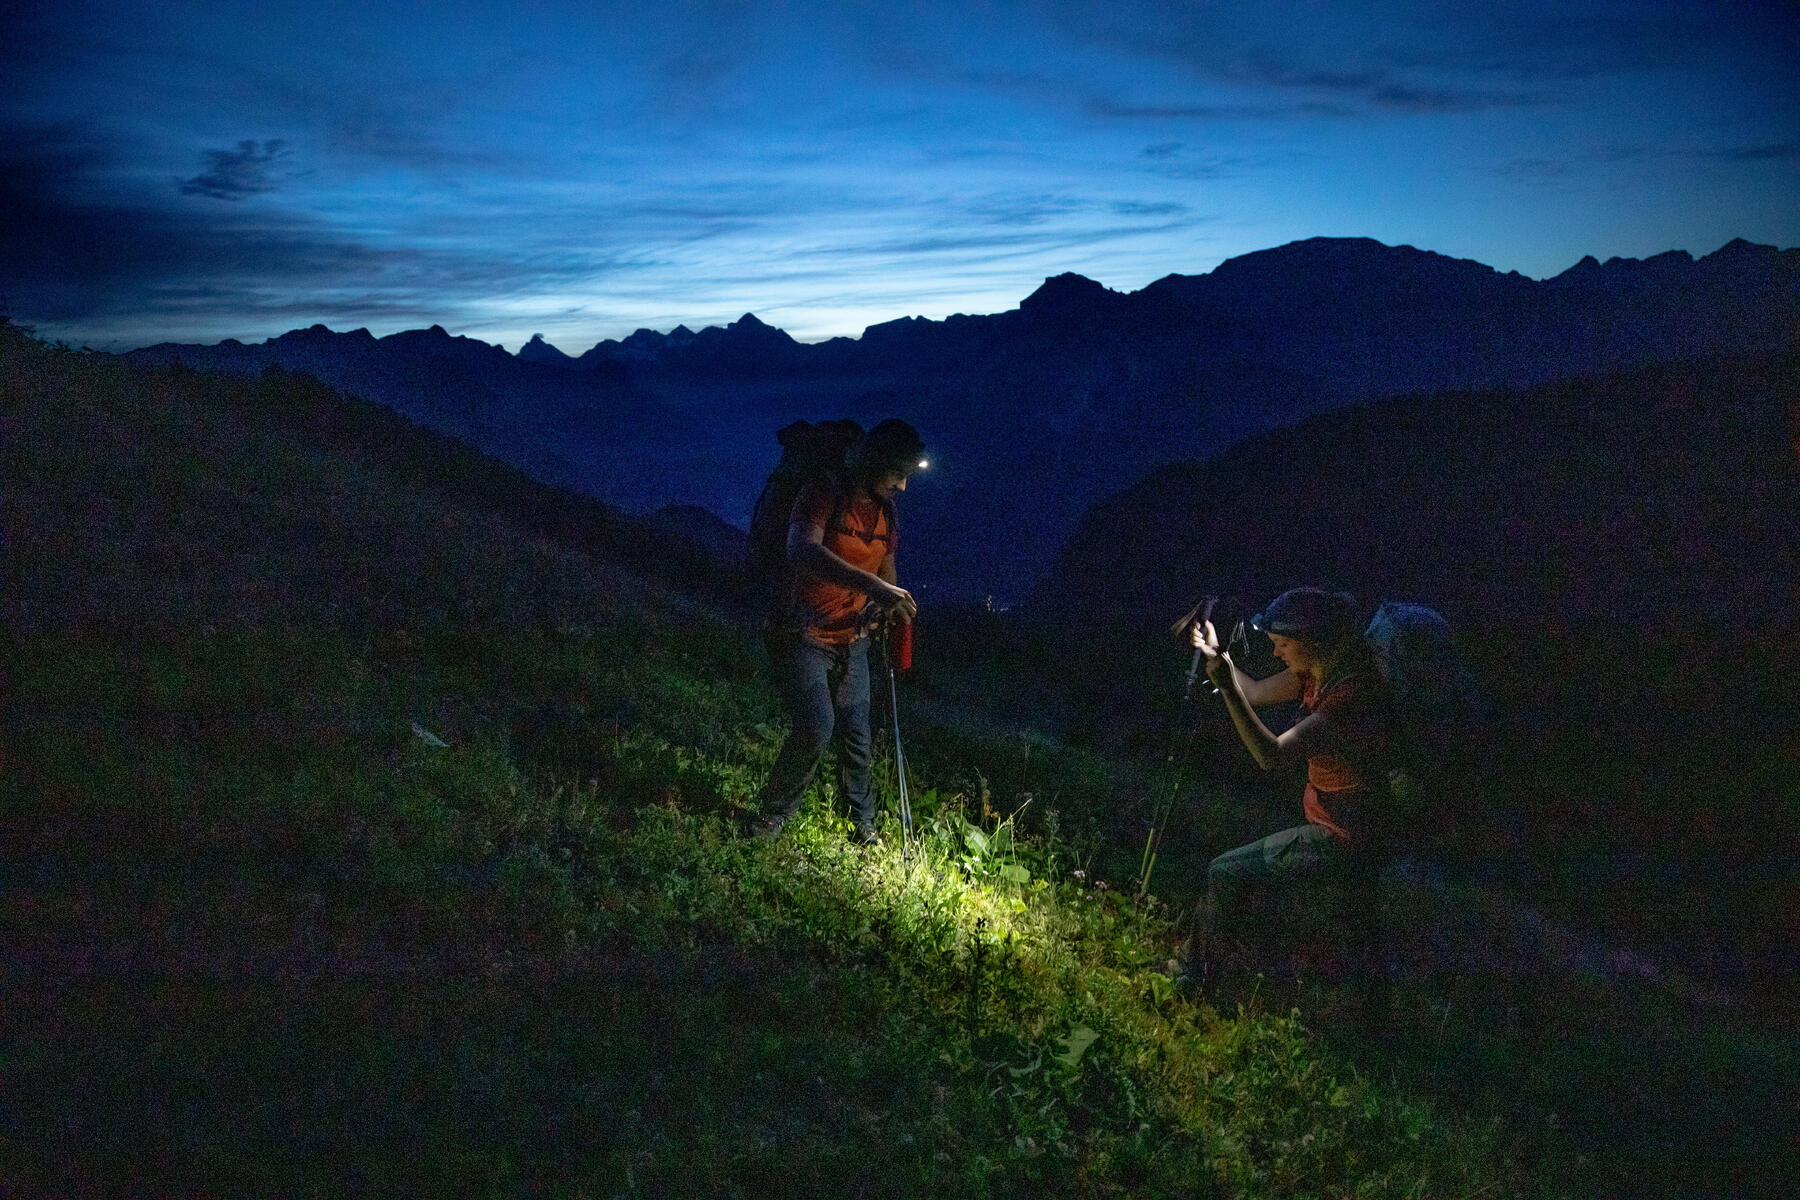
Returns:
point(235, 174)
point(1565, 168)
point(1375, 87)
point(1109, 108)
point(1765, 152)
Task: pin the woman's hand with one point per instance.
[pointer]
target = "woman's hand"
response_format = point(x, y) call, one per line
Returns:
point(1206, 640)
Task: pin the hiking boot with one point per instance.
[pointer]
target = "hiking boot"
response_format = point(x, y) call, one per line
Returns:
point(864, 836)
point(767, 828)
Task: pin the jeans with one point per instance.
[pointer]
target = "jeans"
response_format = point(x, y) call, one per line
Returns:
point(826, 690)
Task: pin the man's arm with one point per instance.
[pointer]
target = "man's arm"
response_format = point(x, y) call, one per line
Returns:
point(889, 573)
point(807, 550)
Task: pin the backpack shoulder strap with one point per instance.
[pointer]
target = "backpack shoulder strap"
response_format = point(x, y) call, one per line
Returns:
point(893, 525)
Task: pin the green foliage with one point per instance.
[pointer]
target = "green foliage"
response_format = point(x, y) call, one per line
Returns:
point(278, 942)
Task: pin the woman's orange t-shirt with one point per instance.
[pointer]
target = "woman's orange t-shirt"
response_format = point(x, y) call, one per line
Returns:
point(1347, 776)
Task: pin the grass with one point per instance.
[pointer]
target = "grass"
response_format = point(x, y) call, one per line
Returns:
point(267, 938)
point(272, 941)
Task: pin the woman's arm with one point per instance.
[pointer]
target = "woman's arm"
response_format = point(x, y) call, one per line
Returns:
point(1283, 685)
point(1265, 747)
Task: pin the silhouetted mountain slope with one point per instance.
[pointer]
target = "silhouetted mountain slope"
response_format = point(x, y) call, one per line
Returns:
point(1652, 500)
point(1618, 556)
point(1036, 413)
point(565, 427)
point(277, 498)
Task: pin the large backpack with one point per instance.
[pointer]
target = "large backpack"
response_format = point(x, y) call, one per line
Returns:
point(1441, 713)
point(809, 454)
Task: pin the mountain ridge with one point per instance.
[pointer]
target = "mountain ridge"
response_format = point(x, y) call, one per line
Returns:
point(1070, 397)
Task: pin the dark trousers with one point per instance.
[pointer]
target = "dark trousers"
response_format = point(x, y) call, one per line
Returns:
point(1343, 884)
point(826, 691)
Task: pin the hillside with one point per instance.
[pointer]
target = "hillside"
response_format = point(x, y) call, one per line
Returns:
point(1651, 500)
point(268, 935)
point(1618, 554)
point(360, 838)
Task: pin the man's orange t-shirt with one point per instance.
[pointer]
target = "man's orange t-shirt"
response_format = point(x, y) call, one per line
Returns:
point(857, 530)
point(1347, 778)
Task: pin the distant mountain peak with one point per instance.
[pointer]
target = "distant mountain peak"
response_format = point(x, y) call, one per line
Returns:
point(1737, 250)
point(1067, 293)
point(540, 351)
point(1322, 257)
point(752, 330)
point(312, 333)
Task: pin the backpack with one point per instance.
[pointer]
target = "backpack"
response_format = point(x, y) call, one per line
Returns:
point(809, 454)
point(1439, 710)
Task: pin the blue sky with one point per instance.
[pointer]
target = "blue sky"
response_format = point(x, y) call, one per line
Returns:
point(196, 171)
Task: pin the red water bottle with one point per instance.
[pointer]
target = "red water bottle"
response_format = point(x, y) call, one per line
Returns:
point(900, 645)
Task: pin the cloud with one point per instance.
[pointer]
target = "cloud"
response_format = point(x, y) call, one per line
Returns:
point(1767, 152)
point(235, 174)
point(1178, 165)
point(1377, 87)
point(1545, 171)
point(1540, 171)
point(74, 252)
point(976, 246)
point(1112, 109)
point(1561, 43)
point(1167, 209)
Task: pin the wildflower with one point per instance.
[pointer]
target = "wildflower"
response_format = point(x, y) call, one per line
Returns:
point(1080, 874)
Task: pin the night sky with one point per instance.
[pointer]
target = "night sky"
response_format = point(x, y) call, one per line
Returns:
point(197, 171)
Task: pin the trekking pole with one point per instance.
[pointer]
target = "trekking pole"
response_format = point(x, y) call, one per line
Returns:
point(1162, 811)
point(1187, 693)
point(906, 822)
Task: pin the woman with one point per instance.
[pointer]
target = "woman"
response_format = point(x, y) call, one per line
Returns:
point(1346, 737)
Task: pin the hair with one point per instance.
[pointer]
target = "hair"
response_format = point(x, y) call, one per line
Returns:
point(892, 445)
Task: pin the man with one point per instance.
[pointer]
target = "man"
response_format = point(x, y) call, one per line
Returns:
point(842, 575)
point(1346, 738)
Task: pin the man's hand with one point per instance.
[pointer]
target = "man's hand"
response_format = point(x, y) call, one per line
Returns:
point(897, 602)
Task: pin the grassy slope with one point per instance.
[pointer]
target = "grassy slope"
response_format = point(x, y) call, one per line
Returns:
point(266, 938)
point(270, 940)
